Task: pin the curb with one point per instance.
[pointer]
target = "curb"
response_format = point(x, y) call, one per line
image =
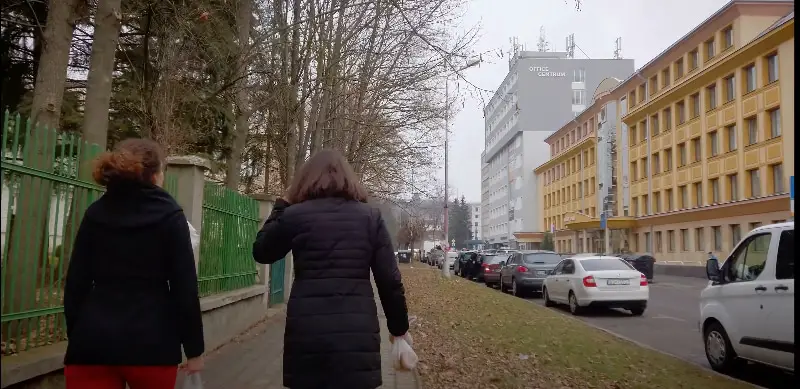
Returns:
point(642, 345)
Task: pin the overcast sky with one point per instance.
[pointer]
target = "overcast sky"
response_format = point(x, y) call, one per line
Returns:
point(647, 27)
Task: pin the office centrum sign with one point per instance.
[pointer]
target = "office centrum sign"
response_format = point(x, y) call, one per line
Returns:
point(544, 71)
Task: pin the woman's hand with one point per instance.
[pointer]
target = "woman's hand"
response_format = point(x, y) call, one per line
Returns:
point(193, 365)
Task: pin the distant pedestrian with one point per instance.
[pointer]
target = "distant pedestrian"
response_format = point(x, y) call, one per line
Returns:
point(131, 299)
point(332, 337)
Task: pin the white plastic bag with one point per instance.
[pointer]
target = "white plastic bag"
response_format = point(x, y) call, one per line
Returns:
point(194, 236)
point(403, 356)
point(193, 381)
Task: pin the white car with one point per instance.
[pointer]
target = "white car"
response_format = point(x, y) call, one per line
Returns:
point(747, 309)
point(451, 256)
point(596, 281)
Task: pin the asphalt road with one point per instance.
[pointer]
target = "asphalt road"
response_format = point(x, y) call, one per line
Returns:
point(670, 325)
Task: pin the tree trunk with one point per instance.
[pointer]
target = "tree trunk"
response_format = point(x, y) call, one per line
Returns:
point(244, 17)
point(101, 69)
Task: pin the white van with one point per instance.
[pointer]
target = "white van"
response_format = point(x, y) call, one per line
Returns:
point(747, 309)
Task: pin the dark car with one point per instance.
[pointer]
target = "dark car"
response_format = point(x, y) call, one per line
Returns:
point(489, 271)
point(404, 256)
point(526, 270)
point(462, 265)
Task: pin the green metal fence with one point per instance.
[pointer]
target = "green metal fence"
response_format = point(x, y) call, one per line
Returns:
point(43, 202)
point(230, 223)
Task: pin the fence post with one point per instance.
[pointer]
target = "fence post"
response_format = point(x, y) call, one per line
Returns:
point(189, 172)
point(265, 204)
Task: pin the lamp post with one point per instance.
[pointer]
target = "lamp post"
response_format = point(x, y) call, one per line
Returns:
point(445, 266)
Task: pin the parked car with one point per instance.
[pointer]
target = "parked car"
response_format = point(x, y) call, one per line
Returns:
point(490, 268)
point(449, 259)
point(747, 310)
point(461, 262)
point(404, 256)
point(526, 270)
point(596, 281)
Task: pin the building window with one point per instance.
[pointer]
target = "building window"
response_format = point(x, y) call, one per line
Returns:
point(682, 154)
point(736, 234)
point(730, 88)
point(653, 85)
point(730, 135)
point(579, 75)
point(695, 101)
point(579, 97)
point(632, 133)
point(658, 241)
point(635, 205)
point(648, 245)
point(684, 192)
point(772, 68)
point(711, 94)
point(667, 119)
point(665, 78)
point(654, 124)
point(681, 108)
point(710, 49)
point(777, 178)
point(634, 172)
point(646, 205)
point(644, 131)
point(684, 239)
point(698, 239)
point(656, 163)
point(657, 202)
point(717, 231)
point(698, 194)
point(645, 168)
point(671, 240)
point(698, 153)
point(667, 159)
point(752, 130)
point(678, 69)
point(774, 122)
point(694, 60)
point(733, 184)
point(727, 38)
point(668, 197)
point(713, 143)
point(755, 183)
point(714, 184)
point(750, 78)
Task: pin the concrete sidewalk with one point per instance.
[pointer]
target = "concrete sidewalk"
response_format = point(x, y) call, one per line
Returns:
point(255, 359)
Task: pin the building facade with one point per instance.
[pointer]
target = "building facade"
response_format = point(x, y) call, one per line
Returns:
point(541, 91)
point(702, 145)
point(475, 221)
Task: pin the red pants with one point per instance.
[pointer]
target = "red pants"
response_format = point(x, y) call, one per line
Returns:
point(115, 377)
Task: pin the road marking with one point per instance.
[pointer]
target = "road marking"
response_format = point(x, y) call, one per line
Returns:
point(668, 317)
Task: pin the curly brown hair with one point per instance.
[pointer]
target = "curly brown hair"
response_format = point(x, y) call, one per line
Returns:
point(131, 160)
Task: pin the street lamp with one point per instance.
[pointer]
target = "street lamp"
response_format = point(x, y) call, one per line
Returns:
point(476, 62)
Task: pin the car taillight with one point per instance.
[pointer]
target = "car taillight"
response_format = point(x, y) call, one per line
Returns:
point(589, 282)
point(643, 281)
point(522, 269)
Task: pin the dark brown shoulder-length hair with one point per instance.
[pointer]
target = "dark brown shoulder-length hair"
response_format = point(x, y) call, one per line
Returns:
point(326, 174)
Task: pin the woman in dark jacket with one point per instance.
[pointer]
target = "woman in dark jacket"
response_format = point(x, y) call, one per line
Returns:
point(332, 337)
point(131, 297)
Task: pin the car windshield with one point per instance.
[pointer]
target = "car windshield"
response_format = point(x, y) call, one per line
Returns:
point(494, 259)
point(542, 258)
point(605, 264)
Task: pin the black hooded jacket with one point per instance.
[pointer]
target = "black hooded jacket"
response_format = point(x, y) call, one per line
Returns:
point(332, 338)
point(131, 293)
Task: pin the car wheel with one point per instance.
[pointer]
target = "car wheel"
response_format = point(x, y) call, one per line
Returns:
point(546, 298)
point(638, 311)
point(719, 351)
point(574, 308)
point(515, 290)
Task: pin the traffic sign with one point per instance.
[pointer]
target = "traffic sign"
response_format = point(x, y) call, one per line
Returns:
point(603, 221)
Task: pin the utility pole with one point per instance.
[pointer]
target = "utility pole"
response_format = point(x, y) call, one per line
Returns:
point(445, 266)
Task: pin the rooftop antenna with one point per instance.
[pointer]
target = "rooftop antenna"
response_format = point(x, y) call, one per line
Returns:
point(570, 46)
point(618, 48)
point(513, 53)
point(543, 45)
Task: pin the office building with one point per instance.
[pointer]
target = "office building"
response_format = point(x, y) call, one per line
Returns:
point(541, 91)
point(475, 220)
point(703, 145)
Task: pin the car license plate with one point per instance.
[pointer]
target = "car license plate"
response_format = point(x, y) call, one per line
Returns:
point(541, 272)
point(618, 282)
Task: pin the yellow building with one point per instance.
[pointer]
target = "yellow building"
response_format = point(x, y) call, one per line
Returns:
point(702, 149)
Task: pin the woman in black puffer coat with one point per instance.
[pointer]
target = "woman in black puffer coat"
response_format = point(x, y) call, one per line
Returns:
point(332, 337)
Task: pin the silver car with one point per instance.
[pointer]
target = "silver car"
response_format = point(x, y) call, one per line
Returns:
point(526, 270)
